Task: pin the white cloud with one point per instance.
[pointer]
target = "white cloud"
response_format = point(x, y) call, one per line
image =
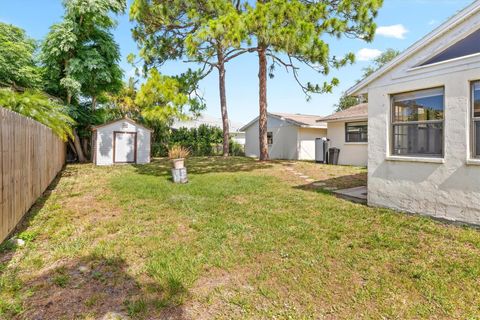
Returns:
point(396, 31)
point(432, 22)
point(366, 54)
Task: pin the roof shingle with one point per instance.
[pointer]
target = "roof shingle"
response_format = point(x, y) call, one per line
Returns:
point(356, 112)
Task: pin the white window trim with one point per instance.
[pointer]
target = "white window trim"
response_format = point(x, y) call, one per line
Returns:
point(356, 143)
point(415, 159)
point(390, 156)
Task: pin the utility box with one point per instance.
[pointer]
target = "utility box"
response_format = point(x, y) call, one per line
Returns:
point(321, 150)
point(333, 154)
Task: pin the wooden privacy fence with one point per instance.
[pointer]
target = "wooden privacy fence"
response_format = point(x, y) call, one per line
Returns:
point(31, 156)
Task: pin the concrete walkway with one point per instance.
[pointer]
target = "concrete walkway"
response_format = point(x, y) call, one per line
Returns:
point(308, 179)
point(358, 194)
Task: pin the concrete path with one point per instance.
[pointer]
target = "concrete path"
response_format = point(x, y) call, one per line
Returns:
point(358, 194)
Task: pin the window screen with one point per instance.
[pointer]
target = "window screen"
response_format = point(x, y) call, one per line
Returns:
point(417, 123)
point(356, 132)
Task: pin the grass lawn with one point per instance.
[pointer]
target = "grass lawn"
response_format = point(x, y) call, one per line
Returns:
point(242, 240)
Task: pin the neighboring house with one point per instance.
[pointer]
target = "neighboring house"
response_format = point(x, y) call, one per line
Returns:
point(424, 124)
point(290, 136)
point(121, 141)
point(235, 132)
point(347, 130)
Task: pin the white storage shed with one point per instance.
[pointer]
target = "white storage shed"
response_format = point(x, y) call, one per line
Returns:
point(121, 141)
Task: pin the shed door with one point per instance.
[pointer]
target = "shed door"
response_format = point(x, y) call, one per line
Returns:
point(124, 147)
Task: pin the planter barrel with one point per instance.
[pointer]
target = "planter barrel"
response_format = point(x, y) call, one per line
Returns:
point(179, 175)
point(178, 163)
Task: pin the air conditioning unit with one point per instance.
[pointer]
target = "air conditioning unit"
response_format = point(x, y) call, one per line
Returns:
point(321, 150)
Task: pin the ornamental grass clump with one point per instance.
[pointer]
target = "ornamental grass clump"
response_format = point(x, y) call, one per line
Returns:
point(178, 152)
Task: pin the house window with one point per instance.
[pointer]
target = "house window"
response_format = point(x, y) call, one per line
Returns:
point(476, 119)
point(417, 123)
point(270, 138)
point(356, 132)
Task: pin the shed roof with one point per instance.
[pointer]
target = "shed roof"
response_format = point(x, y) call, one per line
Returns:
point(118, 120)
point(360, 111)
point(297, 119)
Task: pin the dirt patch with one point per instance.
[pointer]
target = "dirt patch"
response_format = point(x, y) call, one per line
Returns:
point(96, 287)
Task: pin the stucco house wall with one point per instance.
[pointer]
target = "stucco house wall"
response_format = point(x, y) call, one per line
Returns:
point(290, 141)
point(103, 141)
point(351, 153)
point(447, 187)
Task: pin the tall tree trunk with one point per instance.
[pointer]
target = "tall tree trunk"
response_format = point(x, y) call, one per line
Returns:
point(223, 103)
point(85, 149)
point(262, 119)
point(78, 147)
point(94, 102)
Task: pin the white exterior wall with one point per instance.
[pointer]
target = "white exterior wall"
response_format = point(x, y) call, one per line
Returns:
point(284, 140)
point(351, 153)
point(306, 138)
point(104, 142)
point(238, 137)
point(446, 188)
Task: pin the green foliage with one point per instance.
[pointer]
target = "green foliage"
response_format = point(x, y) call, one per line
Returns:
point(80, 54)
point(236, 149)
point(346, 102)
point(297, 32)
point(17, 58)
point(40, 107)
point(380, 61)
point(202, 141)
point(163, 98)
point(197, 30)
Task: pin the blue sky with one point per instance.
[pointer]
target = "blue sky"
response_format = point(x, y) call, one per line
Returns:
point(401, 22)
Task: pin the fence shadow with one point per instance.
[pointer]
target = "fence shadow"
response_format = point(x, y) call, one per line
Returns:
point(8, 248)
point(203, 165)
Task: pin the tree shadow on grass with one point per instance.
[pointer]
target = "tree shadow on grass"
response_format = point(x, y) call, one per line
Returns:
point(340, 182)
point(203, 165)
point(100, 288)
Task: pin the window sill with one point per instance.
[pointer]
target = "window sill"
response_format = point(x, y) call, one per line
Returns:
point(473, 162)
point(416, 159)
point(356, 143)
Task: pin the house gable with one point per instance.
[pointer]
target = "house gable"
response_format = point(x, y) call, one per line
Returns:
point(468, 46)
point(433, 54)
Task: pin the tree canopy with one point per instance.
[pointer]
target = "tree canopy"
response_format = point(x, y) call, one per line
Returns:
point(80, 55)
point(164, 98)
point(207, 32)
point(296, 33)
point(387, 56)
point(40, 107)
point(346, 101)
point(18, 67)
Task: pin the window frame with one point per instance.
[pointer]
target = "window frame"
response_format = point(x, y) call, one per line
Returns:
point(391, 138)
point(269, 136)
point(352, 123)
point(472, 121)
